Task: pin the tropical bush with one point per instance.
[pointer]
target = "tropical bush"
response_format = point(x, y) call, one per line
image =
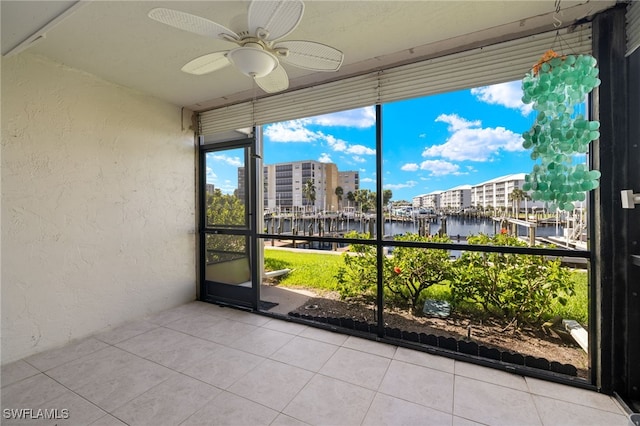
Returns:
point(414, 270)
point(519, 288)
point(406, 274)
point(359, 275)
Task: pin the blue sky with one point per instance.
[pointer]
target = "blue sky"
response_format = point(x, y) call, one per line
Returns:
point(431, 143)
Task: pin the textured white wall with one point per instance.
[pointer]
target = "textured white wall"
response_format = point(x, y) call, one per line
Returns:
point(97, 205)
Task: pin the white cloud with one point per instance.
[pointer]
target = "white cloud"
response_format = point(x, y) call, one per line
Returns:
point(325, 158)
point(291, 131)
point(506, 94)
point(297, 131)
point(422, 135)
point(410, 167)
point(367, 180)
point(342, 146)
point(360, 150)
point(211, 176)
point(358, 159)
point(456, 122)
point(360, 118)
point(408, 184)
point(440, 167)
point(335, 144)
point(232, 161)
point(471, 142)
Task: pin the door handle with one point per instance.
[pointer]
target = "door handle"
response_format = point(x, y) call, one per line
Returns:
point(629, 199)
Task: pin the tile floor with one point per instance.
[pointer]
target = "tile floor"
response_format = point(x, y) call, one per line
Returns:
point(200, 364)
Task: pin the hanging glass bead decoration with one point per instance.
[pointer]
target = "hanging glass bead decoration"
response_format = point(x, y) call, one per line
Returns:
point(555, 85)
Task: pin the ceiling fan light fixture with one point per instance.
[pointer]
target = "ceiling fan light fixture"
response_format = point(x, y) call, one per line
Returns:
point(252, 62)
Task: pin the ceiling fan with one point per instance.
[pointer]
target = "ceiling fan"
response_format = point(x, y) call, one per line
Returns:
point(259, 53)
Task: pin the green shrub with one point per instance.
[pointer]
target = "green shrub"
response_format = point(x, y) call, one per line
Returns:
point(358, 276)
point(411, 270)
point(406, 274)
point(519, 288)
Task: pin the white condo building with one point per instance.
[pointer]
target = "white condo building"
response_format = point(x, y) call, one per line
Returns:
point(428, 201)
point(417, 200)
point(284, 183)
point(495, 192)
point(432, 200)
point(456, 198)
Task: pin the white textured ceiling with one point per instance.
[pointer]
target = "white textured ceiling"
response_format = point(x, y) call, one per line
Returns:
point(118, 42)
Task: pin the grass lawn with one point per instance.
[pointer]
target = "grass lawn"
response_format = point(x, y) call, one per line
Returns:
point(577, 307)
point(310, 270)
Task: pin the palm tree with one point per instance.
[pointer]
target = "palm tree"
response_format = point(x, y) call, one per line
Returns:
point(516, 197)
point(339, 193)
point(309, 192)
point(351, 197)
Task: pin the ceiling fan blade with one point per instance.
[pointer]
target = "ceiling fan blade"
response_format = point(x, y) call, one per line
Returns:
point(271, 20)
point(276, 81)
point(192, 23)
point(207, 63)
point(310, 55)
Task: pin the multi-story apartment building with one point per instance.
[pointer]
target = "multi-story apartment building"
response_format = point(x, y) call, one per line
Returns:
point(457, 198)
point(416, 202)
point(349, 181)
point(284, 185)
point(431, 200)
point(495, 192)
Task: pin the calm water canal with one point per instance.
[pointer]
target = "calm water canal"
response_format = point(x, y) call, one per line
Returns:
point(456, 226)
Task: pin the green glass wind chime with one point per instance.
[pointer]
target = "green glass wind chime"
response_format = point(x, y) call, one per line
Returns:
point(555, 85)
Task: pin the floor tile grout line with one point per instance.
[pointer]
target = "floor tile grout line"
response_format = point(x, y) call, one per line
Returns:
point(266, 406)
point(493, 383)
point(377, 391)
point(574, 402)
point(181, 372)
point(471, 420)
point(58, 348)
point(134, 397)
point(203, 406)
point(365, 351)
point(95, 335)
point(24, 378)
point(209, 341)
point(166, 380)
point(622, 413)
point(529, 394)
point(298, 393)
point(413, 402)
point(537, 408)
point(423, 366)
point(75, 393)
point(386, 371)
point(130, 353)
point(453, 392)
point(303, 368)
